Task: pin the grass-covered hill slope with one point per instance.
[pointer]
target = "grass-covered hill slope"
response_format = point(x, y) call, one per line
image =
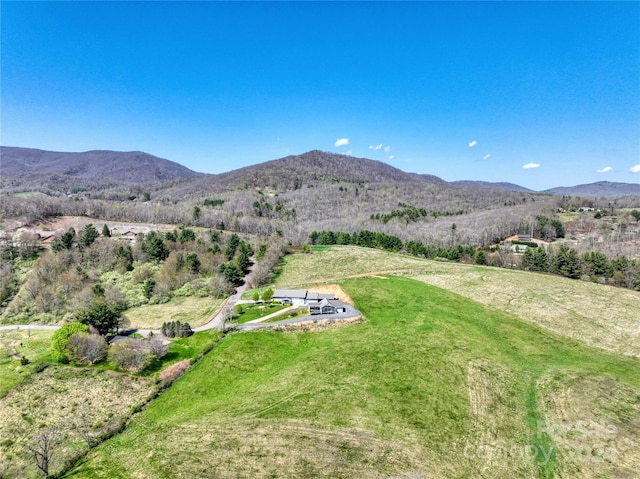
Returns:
point(431, 385)
point(601, 316)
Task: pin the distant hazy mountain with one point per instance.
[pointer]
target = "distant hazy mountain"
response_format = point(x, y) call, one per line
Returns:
point(26, 169)
point(489, 185)
point(100, 166)
point(600, 189)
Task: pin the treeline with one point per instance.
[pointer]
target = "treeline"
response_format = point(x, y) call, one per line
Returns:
point(556, 259)
point(410, 213)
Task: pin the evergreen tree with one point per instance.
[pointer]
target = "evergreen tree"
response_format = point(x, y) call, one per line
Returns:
point(598, 263)
point(171, 329)
point(244, 254)
point(148, 287)
point(231, 273)
point(192, 262)
point(106, 232)
point(124, 257)
point(565, 261)
point(65, 241)
point(185, 330)
point(88, 235)
point(102, 316)
point(536, 259)
point(559, 227)
point(185, 235)
point(154, 247)
point(232, 245)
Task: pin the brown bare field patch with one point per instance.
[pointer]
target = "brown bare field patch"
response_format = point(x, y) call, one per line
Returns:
point(318, 325)
point(57, 397)
point(336, 290)
point(79, 222)
point(594, 422)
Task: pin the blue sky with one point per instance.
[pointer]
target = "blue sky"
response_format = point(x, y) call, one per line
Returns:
point(541, 94)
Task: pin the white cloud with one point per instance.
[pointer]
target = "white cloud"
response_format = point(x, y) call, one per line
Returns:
point(487, 156)
point(528, 166)
point(473, 143)
point(387, 149)
point(341, 142)
point(348, 153)
point(391, 157)
point(635, 169)
point(606, 169)
point(375, 147)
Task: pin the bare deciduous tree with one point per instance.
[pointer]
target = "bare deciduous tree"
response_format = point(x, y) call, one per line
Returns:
point(82, 425)
point(42, 448)
point(158, 346)
point(85, 348)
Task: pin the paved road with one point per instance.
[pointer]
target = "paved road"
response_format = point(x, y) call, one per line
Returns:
point(29, 326)
point(218, 319)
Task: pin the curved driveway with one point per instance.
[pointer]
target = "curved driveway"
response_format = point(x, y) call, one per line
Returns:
point(349, 314)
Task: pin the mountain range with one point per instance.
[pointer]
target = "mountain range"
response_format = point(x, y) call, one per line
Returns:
point(24, 169)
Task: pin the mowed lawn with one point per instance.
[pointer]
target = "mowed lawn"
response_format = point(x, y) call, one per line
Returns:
point(432, 385)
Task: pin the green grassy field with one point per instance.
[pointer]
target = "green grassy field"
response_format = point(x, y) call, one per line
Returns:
point(193, 310)
point(431, 385)
point(15, 344)
point(601, 316)
point(256, 311)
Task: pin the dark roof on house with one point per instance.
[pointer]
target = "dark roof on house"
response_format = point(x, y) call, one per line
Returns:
point(290, 293)
point(301, 294)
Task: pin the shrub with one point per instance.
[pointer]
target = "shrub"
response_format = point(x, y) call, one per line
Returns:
point(176, 329)
point(85, 348)
point(173, 372)
point(130, 354)
point(61, 337)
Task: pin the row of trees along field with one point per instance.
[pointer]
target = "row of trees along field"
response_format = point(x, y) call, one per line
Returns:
point(557, 259)
point(87, 267)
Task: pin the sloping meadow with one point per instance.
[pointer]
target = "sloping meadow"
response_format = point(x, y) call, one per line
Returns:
point(431, 385)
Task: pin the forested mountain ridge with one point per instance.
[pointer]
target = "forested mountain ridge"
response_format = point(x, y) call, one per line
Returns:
point(50, 172)
point(501, 185)
point(323, 166)
point(26, 165)
point(600, 189)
